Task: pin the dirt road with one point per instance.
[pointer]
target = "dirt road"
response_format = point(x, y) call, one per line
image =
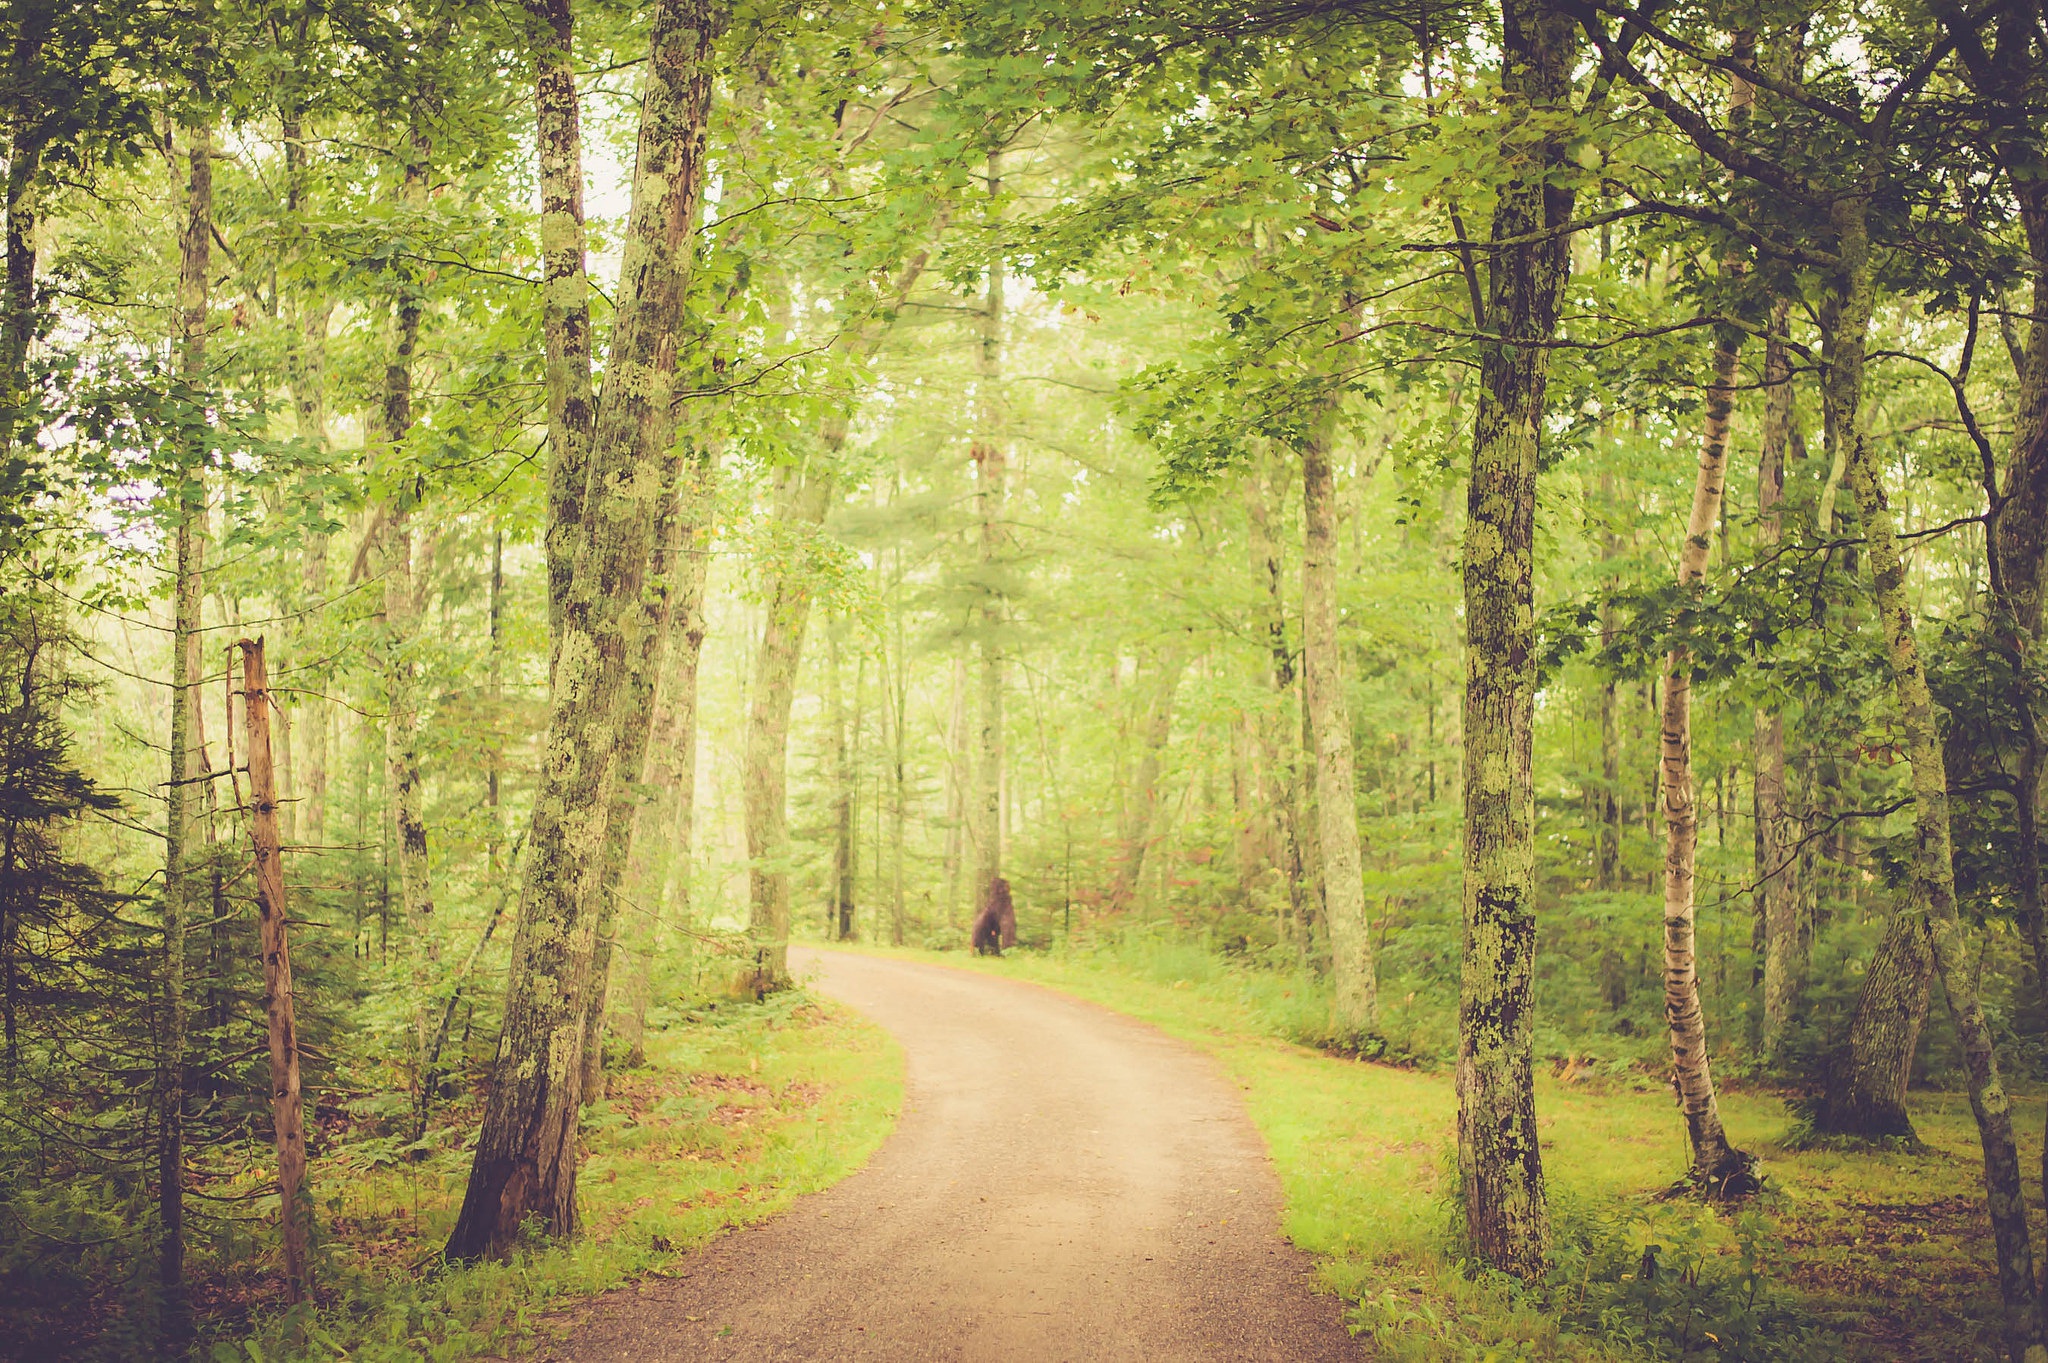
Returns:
point(1064, 1185)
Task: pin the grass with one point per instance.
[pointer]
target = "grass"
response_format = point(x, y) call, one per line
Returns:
point(740, 1109)
point(1885, 1256)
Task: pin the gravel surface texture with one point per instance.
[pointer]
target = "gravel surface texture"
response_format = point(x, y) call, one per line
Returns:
point(1064, 1184)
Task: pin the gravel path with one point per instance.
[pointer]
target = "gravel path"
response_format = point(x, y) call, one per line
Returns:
point(1064, 1184)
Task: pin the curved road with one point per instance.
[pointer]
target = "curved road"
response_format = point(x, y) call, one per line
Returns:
point(1064, 1184)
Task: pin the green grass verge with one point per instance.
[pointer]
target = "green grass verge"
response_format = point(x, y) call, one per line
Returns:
point(1887, 1255)
point(740, 1109)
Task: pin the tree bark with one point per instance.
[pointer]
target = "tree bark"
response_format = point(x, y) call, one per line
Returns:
point(1718, 1169)
point(1865, 1085)
point(24, 165)
point(1142, 806)
point(287, 1116)
point(806, 497)
point(405, 591)
point(660, 867)
point(991, 478)
point(1777, 871)
point(1933, 875)
point(958, 767)
point(1275, 734)
point(525, 1164)
point(647, 644)
point(185, 890)
point(310, 396)
point(1329, 726)
point(1499, 1157)
point(565, 298)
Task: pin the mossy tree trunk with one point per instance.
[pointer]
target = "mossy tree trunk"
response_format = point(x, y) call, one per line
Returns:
point(1933, 892)
point(658, 871)
point(647, 644)
point(1500, 1161)
point(525, 1163)
point(565, 296)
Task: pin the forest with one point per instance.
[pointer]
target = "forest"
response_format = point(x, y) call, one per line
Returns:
point(1477, 565)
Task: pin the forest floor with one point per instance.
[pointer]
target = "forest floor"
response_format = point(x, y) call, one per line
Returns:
point(1065, 1184)
point(1859, 1256)
point(740, 1108)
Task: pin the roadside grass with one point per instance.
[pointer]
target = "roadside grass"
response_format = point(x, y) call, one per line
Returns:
point(1861, 1256)
point(741, 1108)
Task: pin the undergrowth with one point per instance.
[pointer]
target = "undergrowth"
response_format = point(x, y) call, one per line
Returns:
point(740, 1108)
point(1863, 1256)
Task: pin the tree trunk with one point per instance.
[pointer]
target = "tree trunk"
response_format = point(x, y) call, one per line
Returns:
point(1865, 1093)
point(647, 645)
point(24, 164)
point(405, 591)
point(804, 497)
point(663, 843)
point(1777, 871)
point(805, 500)
point(957, 780)
point(841, 916)
point(1718, 1169)
point(525, 1164)
point(1276, 735)
point(565, 299)
point(991, 477)
point(1933, 883)
point(184, 887)
point(314, 716)
point(1142, 806)
point(1329, 725)
point(287, 1117)
point(899, 713)
point(1499, 1158)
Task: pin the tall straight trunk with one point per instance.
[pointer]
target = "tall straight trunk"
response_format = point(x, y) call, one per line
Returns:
point(1777, 872)
point(24, 164)
point(1607, 860)
point(1718, 1169)
point(1499, 1158)
point(565, 297)
point(659, 868)
point(314, 716)
point(1933, 872)
point(494, 684)
point(805, 499)
point(991, 479)
point(899, 713)
point(287, 1116)
point(647, 644)
point(406, 581)
point(305, 818)
point(1329, 726)
point(525, 1164)
point(1275, 734)
point(1141, 806)
point(185, 890)
point(958, 764)
point(842, 892)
